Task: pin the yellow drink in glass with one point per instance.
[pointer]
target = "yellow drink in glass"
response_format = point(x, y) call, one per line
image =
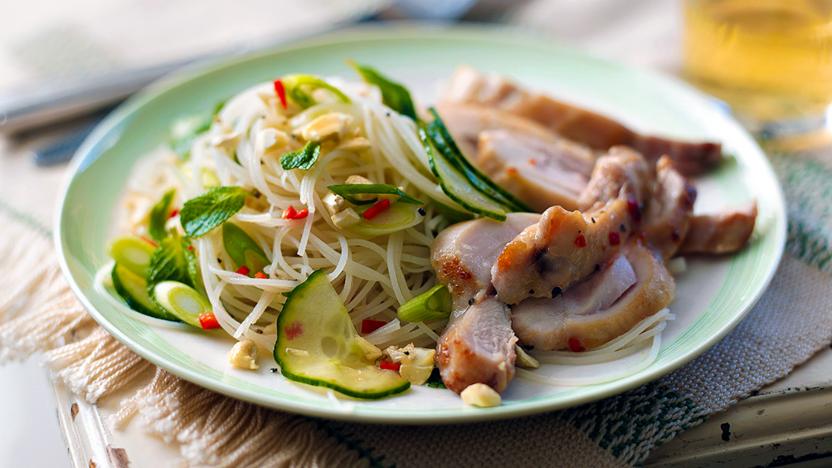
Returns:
point(769, 59)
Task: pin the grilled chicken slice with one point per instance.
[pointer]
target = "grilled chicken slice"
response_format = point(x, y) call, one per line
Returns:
point(583, 126)
point(478, 347)
point(606, 305)
point(621, 172)
point(720, 233)
point(541, 172)
point(667, 218)
point(467, 121)
point(562, 248)
point(463, 254)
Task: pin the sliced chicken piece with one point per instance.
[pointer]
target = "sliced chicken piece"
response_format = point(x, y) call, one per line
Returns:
point(569, 121)
point(668, 214)
point(478, 347)
point(689, 158)
point(720, 233)
point(606, 305)
point(562, 248)
point(463, 254)
point(467, 121)
point(539, 171)
point(621, 172)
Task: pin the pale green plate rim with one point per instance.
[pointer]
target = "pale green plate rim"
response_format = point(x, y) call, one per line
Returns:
point(759, 261)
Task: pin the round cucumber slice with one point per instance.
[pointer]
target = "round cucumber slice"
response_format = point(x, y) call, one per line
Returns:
point(132, 253)
point(133, 289)
point(317, 344)
point(181, 301)
point(398, 217)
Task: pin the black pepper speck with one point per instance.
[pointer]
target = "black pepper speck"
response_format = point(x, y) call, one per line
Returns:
point(726, 431)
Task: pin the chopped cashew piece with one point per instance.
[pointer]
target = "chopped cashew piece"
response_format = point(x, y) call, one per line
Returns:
point(328, 125)
point(416, 363)
point(334, 203)
point(226, 141)
point(524, 359)
point(357, 179)
point(480, 395)
point(345, 218)
point(243, 355)
point(355, 144)
point(370, 351)
point(269, 138)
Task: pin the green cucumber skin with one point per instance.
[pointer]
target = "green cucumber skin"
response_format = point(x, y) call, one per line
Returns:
point(285, 368)
point(135, 304)
point(482, 182)
point(346, 391)
point(432, 155)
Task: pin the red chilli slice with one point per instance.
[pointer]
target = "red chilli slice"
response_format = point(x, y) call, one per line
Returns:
point(243, 270)
point(280, 90)
point(575, 345)
point(370, 325)
point(614, 238)
point(634, 208)
point(208, 321)
point(580, 241)
point(390, 365)
point(377, 208)
point(292, 213)
point(260, 275)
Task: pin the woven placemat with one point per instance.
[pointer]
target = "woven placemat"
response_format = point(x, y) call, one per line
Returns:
point(790, 323)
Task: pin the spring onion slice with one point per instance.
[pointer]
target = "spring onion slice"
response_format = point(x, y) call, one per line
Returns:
point(433, 304)
point(348, 192)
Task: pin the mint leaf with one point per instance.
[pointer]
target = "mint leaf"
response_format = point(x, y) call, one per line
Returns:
point(348, 192)
point(169, 262)
point(202, 214)
point(303, 158)
point(159, 216)
point(435, 379)
point(394, 95)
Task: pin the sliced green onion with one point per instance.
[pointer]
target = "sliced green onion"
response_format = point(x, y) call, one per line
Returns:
point(181, 301)
point(433, 304)
point(132, 253)
point(299, 89)
point(242, 248)
point(133, 289)
point(348, 191)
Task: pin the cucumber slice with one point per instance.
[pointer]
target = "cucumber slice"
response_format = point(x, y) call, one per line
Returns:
point(132, 253)
point(398, 217)
point(181, 301)
point(446, 145)
point(317, 344)
point(458, 187)
point(133, 289)
point(242, 248)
